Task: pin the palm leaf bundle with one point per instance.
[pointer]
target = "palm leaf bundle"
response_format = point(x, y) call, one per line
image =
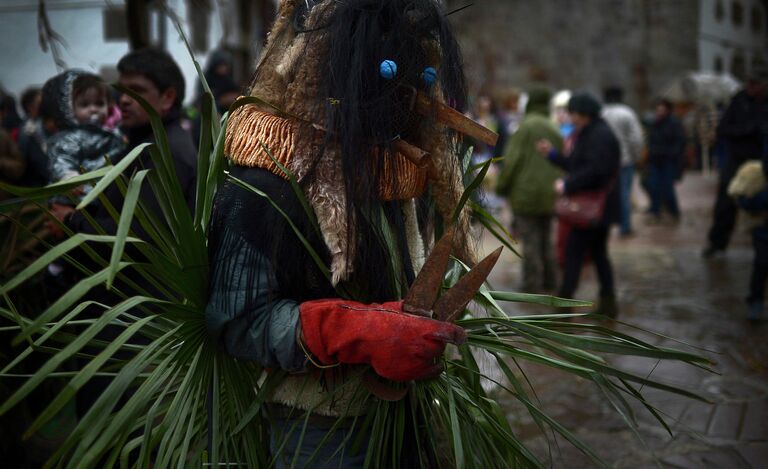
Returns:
point(174, 399)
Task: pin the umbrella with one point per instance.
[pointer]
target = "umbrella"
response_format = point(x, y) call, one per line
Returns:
point(702, 87)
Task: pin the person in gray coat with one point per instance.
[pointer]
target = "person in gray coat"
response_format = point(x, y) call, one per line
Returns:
point(626, 127)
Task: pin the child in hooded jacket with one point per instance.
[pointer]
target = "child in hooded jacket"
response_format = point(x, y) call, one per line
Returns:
point(82, 142)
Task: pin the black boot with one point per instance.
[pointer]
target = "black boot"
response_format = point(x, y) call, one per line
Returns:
point(607, 306)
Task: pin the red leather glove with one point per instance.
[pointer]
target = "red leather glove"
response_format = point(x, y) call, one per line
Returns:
point(399, 346)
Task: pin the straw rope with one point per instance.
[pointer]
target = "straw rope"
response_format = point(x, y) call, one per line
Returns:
point(249, 128)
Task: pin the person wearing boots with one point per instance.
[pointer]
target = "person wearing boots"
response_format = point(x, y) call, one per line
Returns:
point(593, 165)
point(742, 127)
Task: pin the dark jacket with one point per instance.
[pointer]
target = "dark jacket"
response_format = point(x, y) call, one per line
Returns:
point(75, 145)
point(666, 141)
point(743, 126)
point(757, 205)
point(32, 145)
point(593, 165)
point(82, 148)
point(182, 149)
point(184, 161)
point(253, 309)
point(11, 161)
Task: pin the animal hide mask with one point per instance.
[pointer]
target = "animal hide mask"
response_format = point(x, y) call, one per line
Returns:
point(342, 87)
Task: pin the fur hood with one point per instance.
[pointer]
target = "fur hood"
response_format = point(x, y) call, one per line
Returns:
point(57, 99)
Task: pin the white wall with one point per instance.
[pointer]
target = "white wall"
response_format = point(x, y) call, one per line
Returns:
point(79, 22)
point(722, 38)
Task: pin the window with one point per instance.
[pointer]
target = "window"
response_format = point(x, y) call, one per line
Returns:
point(115, 28)
point(718, 64)
point(737, 13)
point(739, 66)
point(719, 11)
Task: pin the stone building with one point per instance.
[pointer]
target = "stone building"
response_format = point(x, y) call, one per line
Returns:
point(588, 44)
point(732, 36)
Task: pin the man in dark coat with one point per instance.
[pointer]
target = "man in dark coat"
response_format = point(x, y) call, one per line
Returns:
point(743, 127)
point(593, 165)
point(666, 144)
point(156, 77)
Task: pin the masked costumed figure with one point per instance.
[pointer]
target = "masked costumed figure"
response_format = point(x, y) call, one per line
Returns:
point(357, 100)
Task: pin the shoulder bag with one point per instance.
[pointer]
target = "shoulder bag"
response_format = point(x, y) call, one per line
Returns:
point(583, 209)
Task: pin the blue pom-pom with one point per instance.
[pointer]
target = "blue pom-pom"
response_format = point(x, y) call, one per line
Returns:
point(388, 69)
point(429, 75)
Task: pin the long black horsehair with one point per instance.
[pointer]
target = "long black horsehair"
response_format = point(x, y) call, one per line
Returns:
point(456, 10)
point(371, 111)
point(364, 112)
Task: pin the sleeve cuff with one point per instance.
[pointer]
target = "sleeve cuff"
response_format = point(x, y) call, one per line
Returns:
point(552, 155)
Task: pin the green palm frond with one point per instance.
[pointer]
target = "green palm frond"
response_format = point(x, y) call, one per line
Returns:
point(175, 399)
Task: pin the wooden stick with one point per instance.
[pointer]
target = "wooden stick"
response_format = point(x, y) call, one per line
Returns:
point(413, 153)
point(454, 119)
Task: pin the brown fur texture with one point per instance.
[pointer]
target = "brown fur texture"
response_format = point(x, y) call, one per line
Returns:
point(304, 64)
point(326, 195)
point(447, 188)
point(446, 173)
point(268, 83)
point(413, 235)
point(445, 176)
point(288, 76)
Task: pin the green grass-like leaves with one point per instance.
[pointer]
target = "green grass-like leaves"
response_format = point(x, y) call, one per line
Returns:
point(177, 400)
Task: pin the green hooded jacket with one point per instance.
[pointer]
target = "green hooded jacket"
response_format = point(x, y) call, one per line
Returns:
point(527, 178)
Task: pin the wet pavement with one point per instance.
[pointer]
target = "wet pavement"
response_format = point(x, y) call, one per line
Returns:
point(664, 285)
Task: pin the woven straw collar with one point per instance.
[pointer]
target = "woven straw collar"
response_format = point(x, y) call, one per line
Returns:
point(250, 130)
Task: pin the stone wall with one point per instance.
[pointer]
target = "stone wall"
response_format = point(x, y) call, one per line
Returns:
point(578, 44)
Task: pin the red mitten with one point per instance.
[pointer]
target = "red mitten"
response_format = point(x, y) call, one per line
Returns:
point(399, 346)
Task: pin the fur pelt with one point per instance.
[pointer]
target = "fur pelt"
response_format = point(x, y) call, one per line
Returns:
point(413, 235)
point(293, 75)
point(305, 64)
point(332, 396)
point(325, 193)
point(268, 83)
point(445, 175)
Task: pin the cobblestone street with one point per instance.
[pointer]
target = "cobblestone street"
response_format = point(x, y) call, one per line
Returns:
point(664, 285)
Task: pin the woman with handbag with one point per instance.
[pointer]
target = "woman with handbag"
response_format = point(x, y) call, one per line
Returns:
point(589, 200)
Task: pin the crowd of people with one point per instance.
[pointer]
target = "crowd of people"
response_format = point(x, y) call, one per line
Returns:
point(552, 149)
point(570, 158)
point(76, 122)
point(574, 159)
